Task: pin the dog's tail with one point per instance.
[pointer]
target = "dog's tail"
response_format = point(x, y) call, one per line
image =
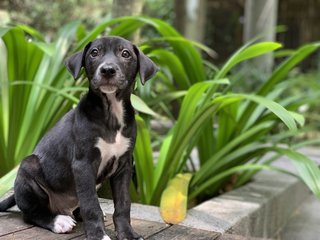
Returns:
point(7, 203)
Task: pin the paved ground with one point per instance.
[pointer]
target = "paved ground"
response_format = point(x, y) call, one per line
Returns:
point(259, 208)
point(304, 223)
point(12, 227)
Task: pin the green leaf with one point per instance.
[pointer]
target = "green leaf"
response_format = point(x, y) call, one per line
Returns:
point(187, 126)
point(144, 161)
point(49, 49)
point(207, 169)
point(246, 54)
point(167, 97)
point(34, 89)
point(287, 118)
point(162, 159)
point(203, 47)
point(286, 66)
point(6, 182)
point(31, 31)
point(170, 60)
point(308, 169)
point(277, 76)
point(141, 106)
point(3, 31)
point(214, 179)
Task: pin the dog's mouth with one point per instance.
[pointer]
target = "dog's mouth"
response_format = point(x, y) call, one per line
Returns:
point(108, 85)
point(108, 89)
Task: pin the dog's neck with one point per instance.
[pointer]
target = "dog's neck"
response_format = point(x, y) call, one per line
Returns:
point(114, 106)
point(114, 109)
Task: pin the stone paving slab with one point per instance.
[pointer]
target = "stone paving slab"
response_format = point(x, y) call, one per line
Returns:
point(12, 227)
point(238, 237)
point(304, 223)
point(257, 209)
point(184, 233)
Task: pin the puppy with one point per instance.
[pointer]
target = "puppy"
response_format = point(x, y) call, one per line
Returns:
point(92, 142)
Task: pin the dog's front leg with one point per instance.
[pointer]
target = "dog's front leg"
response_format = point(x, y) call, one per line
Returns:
point(90, 210)
point(120, 191)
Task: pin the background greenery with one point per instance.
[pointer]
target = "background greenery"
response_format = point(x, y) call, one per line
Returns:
point(225, 40)
point(231, 131)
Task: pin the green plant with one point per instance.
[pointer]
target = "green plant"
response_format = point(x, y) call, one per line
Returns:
point(231, 131)
point(244, 122)
point(35, 90)
point(242, 137)
point(249, 128)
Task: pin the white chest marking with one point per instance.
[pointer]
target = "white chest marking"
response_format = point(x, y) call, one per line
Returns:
point(116, 108)
point(120, 145)
point(110, 150)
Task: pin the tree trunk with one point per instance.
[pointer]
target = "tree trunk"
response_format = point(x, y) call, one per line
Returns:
point(180, 15)
point(261, 18)
point(191, 18)
point(302, 20)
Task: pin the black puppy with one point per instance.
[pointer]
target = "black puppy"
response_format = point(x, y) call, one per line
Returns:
point(92, 142)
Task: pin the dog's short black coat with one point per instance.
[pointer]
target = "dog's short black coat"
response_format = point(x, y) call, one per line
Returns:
point(92, 142)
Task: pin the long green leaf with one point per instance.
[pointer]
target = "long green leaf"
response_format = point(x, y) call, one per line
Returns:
point(144, 161)
point(206, 169)
point(170, 60)
point(6, 182)
point(248, 53)
point(287, 118)
point(308, 169)
point(209, 183)
point(141, 106)
point(278, 75)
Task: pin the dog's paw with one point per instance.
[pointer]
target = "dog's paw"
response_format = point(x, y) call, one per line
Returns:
point(106, 237)
point(63, 224)
point(129, 236)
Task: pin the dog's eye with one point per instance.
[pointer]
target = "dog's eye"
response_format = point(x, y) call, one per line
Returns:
point(94, 52)
point(125, 54)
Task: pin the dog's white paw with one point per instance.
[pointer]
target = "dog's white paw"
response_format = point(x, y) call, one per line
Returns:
point(106, 237)
point(63, 224)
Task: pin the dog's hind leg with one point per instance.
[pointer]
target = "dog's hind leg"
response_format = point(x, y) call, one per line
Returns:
point(33, 200)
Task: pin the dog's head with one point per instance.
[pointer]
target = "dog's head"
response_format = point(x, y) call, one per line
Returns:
point(111, 64)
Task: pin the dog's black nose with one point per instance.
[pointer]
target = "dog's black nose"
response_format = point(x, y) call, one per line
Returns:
point(107, 71)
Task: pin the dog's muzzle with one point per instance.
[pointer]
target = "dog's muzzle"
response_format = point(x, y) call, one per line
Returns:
point(108, 78)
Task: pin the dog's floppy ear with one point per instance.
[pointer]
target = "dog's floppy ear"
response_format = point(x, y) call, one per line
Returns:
point(147, 68)
point(75, 62)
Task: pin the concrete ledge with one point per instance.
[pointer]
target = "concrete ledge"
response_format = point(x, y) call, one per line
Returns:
point(257, 210)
